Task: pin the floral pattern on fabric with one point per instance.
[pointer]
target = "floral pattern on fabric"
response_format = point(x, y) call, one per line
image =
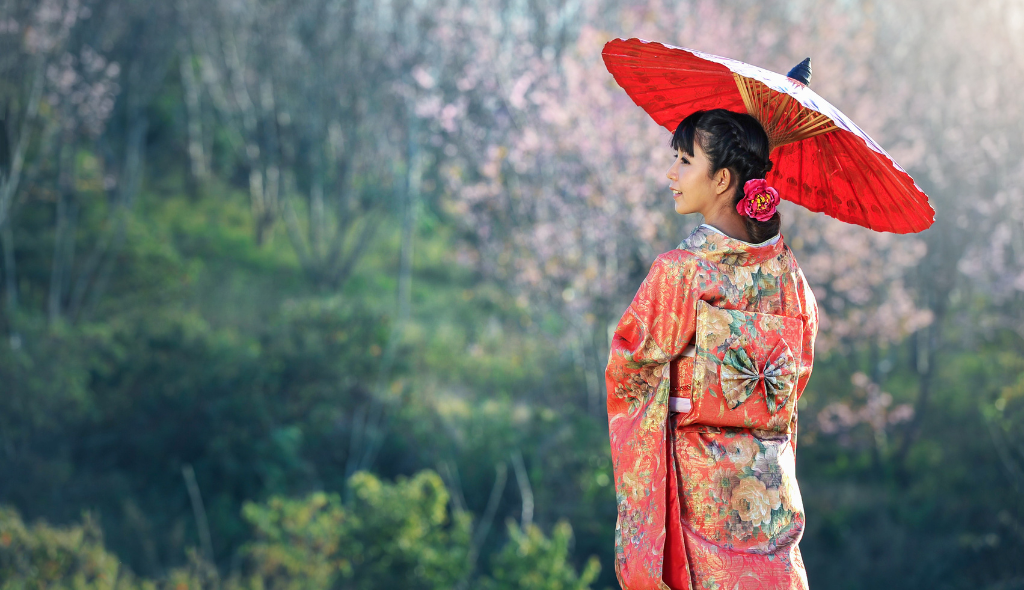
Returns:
point(739, 514)
point(741, 354)
point(739, 490)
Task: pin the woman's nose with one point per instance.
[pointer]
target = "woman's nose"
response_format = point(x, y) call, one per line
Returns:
point(672, 174)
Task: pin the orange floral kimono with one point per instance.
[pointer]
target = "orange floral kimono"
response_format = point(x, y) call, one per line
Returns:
point(708, 499)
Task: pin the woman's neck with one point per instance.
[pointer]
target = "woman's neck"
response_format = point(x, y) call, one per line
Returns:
point(730, 225)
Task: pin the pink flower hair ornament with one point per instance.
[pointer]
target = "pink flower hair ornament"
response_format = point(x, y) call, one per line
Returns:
point(759, 200)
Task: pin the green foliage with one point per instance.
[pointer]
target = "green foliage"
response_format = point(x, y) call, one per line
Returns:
point(390, 536)
point(948, 515)
point(72, 558)
point(532, 561)
point(298, 542)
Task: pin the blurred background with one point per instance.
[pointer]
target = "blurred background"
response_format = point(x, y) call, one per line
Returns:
point(318, 293)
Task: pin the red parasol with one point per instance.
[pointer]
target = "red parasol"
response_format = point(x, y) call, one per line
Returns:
point(823, 161)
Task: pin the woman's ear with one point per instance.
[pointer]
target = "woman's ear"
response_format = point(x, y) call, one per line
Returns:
point(722, 180)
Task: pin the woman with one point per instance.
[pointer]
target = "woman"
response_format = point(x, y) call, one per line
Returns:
point(705, 370)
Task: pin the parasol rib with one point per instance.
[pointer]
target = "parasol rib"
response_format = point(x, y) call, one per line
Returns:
point(782, 117)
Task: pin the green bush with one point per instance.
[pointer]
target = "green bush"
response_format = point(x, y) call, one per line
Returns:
point(531, 561)
point(41, 556)
point(389, 536)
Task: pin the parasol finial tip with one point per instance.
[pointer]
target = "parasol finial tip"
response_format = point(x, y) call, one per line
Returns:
point(802, 72)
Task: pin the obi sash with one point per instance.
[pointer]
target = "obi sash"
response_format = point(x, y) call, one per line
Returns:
point(744, 371)
point(737, 511)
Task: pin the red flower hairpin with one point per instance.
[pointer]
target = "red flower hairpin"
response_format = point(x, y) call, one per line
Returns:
point(759, 200)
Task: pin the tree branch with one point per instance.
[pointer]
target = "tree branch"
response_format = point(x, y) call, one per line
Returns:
point(484, 526)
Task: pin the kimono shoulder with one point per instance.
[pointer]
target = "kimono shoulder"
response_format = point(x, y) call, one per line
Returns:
point(662, 312)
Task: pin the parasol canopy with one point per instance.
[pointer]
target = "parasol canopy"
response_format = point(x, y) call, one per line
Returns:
point(823, 161)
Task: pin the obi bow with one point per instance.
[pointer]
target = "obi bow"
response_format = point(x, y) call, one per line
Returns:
point(740, 376)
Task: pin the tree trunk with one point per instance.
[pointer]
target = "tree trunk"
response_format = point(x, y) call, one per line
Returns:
point(197, 157)
point(94, 277)
point(373, 428)
point(9, 181)
point(10, 279)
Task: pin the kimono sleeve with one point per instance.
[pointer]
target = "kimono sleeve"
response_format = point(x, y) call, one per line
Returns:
point(655, 329)
point(809, 311)
point(809, 314)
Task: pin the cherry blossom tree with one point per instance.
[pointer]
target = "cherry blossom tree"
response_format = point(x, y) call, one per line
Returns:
point(869, 421)
point(948, 112)
point(314, 95)
point(62, 93)
point(556, 173)
point(33, 37)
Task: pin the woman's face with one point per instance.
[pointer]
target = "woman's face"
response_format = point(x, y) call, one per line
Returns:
point(693, 189)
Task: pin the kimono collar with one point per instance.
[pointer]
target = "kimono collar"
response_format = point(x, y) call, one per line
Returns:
point(709, 243)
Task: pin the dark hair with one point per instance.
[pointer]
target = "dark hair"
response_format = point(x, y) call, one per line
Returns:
point(735, 141)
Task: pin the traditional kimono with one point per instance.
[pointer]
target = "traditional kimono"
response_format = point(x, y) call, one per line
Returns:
point(708, 498)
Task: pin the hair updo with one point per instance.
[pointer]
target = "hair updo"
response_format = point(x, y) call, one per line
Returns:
point(735, 141)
